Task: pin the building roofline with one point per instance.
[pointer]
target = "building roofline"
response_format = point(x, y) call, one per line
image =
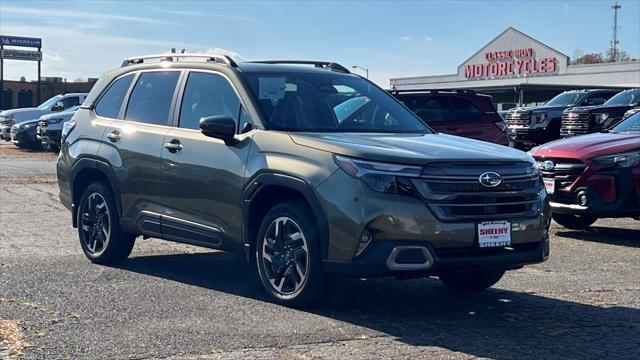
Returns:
point(504, 32)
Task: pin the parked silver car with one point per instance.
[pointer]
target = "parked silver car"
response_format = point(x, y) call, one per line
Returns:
point(55, 104)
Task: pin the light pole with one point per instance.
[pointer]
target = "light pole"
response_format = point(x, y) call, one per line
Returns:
point(361, 68)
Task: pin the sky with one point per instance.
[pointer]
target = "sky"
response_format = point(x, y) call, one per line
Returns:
point(83, 39)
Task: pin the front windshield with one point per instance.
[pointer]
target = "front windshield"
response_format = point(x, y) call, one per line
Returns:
point(565, 99)
point(47, 104)
point(331, 102)
point(630, 97)
point(632, 124)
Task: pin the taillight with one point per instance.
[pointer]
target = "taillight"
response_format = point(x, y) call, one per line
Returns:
point(500, 124)
point(66, 129)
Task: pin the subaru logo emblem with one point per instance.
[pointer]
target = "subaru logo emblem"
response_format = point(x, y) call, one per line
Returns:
point(490, 179)
point(548, 165)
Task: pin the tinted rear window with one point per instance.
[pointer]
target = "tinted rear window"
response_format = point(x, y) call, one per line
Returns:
point(151, 97)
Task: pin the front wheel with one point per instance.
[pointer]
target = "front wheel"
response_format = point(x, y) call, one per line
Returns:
point(101, 238)
point(288, 255)
point(473, 280)
point(574, 222)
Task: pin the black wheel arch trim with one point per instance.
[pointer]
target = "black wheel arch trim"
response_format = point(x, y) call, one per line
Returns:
point(102, 167)
point(263, 179)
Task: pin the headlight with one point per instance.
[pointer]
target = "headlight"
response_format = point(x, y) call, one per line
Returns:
point(623, 159)
point(601, 117)
point(540, 118)
point(54, 121)
point(381, 177)
point(28, 125)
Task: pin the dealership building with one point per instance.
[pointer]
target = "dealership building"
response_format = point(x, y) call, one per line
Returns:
point(516, 69)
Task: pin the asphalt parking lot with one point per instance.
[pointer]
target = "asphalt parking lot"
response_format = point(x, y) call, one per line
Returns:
point(176, 301)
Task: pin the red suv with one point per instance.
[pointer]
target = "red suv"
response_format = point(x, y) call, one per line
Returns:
point(593, 176)
point(462, 113)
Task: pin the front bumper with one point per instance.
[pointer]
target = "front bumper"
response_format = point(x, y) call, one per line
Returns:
point(620, 196)
point(527, 135)
point(24, 136)
point(375, 261)
point(5, 132)
point(48, 137)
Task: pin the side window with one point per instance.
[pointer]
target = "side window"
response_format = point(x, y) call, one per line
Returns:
point(428, 108)
point(109, 103)
point(151, 97)
point(71, 101)
point(207, 95)
point(465, 110)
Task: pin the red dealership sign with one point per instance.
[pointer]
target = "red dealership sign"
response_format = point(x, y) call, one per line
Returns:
point(511, 63)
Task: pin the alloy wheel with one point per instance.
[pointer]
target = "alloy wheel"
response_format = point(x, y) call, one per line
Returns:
point(95, 223)
point(285, 256)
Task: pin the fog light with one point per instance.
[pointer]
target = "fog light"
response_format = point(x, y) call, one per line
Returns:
point(365, 240)
point(582, 199)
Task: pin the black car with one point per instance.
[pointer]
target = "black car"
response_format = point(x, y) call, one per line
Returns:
point(23, 134)
point(530, 126)
point(590, 119)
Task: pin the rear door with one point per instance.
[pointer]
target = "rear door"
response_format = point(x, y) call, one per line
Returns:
point(470, 121)
point(133, 146)
point(203, 177)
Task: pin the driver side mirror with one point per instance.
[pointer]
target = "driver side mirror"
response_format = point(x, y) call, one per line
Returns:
point(59, 106)
point(220, 126)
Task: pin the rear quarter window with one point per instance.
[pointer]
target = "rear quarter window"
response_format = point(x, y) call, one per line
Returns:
point(109, 104)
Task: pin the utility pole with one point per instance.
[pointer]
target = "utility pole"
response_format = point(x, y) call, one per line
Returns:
point(614, 41)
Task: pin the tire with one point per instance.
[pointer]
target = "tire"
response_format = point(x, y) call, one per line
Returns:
point(288, 256)
point(101, 239)
point(473, 281)
point(574, 222)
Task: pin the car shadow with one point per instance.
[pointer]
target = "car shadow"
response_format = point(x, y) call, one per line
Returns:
point(497, 323)
point(605, 235)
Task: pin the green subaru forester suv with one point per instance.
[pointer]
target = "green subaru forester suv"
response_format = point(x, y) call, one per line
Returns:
point(309, 170)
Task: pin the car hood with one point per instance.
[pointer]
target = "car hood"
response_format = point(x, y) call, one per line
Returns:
point(67, 114)
point(588, 146)
point(538, 109)
point(24, 113)
point(414, 149)
point(599, 108)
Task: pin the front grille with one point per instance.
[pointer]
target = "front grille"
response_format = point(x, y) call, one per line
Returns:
point(518, 119)
point(565, 171)
point(574, 124)
point(454, 191)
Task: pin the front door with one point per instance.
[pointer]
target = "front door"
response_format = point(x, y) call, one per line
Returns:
point(203, 178)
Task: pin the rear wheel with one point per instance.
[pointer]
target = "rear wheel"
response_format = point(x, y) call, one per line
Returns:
point(288, 255)
point(472, 280)
point(101, 238)
point(574, 222)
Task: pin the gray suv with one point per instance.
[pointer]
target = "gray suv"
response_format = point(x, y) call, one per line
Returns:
point(307, 170)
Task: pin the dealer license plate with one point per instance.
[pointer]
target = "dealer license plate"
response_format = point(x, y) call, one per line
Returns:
point(494, 233)
point(550, 185)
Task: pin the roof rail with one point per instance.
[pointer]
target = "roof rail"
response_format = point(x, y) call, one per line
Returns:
point(319, 64)
point(217, 58)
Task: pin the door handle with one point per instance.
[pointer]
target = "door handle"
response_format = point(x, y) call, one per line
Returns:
point(173, 146)
point(451, 128)
point(114, 136)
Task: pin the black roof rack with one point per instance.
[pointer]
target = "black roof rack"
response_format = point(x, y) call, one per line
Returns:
point(319, 64)
point(220, 59)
